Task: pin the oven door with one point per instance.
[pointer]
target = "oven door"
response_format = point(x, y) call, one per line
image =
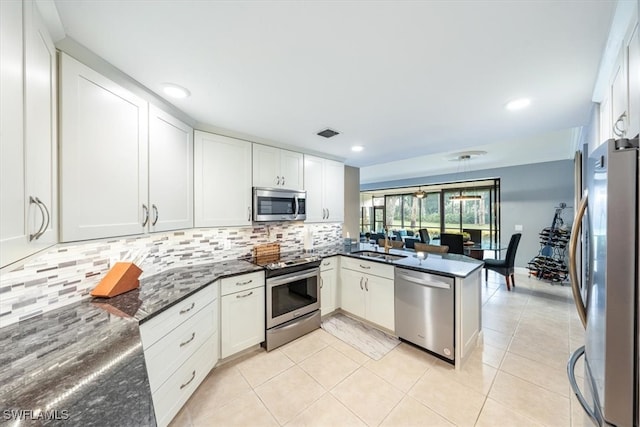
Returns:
point(291, 295)
point(278, 205)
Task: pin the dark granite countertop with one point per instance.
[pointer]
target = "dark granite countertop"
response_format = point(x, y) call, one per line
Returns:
point(452, 265)
point(85, 360)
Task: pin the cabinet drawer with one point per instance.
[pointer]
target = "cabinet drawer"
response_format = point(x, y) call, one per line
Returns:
point(166, 355)
point(233, 284)
point(170, 397)
point(329, 263)
point(367, 267)
point(165, 322)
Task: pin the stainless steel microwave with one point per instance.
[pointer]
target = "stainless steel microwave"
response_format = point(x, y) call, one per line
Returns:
point(274, 204)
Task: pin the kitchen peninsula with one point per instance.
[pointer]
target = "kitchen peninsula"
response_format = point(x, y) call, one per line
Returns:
point(86, 362)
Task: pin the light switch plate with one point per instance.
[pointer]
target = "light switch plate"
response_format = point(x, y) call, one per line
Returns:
point(518, 227)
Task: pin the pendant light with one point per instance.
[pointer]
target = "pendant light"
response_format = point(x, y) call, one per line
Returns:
point(463, 158)
point(419, 194)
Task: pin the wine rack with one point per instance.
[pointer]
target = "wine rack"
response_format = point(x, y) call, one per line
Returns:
point(551, 261)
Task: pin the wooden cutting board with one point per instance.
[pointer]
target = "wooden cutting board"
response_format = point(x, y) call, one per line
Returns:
point(266, 253)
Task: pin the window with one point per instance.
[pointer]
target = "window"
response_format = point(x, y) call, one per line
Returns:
point(472, 207)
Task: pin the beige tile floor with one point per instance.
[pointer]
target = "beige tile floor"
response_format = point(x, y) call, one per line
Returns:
point(516, 378)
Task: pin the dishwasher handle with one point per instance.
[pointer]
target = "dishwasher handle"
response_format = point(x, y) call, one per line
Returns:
point(430, 282)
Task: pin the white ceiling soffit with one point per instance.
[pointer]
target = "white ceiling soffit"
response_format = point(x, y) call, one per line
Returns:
point(402, 79)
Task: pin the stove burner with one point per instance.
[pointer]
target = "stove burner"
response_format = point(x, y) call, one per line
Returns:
point(289, 262)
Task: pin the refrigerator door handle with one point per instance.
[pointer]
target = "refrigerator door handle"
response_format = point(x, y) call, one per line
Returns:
point(571, 367)
point(573, 273)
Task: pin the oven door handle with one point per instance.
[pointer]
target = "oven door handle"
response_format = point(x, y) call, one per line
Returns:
point(279, 280)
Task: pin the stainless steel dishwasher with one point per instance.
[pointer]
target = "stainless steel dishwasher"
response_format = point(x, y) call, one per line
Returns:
point(424, 310)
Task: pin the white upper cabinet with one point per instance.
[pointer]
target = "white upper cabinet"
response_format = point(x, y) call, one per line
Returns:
point(324, 183)
point(222, 181)
point(620, 108)
point(28, 211)
point(633, 71)
point(277, 168)
point(170, 172)
point(103, 156)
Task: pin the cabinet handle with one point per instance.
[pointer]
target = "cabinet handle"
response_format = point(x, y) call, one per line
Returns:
point(244, 296)
point(48, 217)
point(361, 288)
point(155, 214)
point(324, 213)
point(619, 131)
point(366, 267)
point(193, 375)
point(146, 215)
point(328, 213)
point(326, 263)
point(277, 180)
point(366, 284)
point(193, 335)
point(283, 180)
point(244, 283)
point(37, 233)
point(193, 304)
point(321, 283)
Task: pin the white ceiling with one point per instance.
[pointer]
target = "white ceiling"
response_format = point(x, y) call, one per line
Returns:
point(402, 78)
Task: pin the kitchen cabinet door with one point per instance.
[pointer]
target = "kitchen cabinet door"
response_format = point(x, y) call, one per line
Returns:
point(328, 291)
point(633, 72)
point(619, 99)
point(292, 170)
point(14, 240)
point(28, 145)
point(352, 298)
point(242, 322)
point(313, 185)
point(103, 156)
point(266, 166)
point(333, 194)
point(380, 301)
point(222, 181)
point(170, 172)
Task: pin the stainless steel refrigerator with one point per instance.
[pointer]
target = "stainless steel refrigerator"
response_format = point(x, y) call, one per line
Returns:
point(608, 298)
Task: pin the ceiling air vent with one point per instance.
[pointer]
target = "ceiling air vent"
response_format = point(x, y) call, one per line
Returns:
point(328, 133)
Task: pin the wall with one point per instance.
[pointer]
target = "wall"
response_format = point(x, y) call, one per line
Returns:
point(67, 273)
point(529, 194)
point(351, 202)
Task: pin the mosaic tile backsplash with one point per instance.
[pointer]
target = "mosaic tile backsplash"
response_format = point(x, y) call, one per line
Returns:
point(66, 273)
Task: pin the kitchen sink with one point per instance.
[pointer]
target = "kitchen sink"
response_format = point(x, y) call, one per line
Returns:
point(378, 255)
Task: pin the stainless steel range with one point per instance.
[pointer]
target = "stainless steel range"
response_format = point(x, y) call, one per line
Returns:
point(293, 297)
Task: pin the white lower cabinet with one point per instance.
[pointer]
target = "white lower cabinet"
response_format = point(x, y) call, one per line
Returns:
point(328, 285)
point(367, 291)
point(180, 348)
point(242, 313)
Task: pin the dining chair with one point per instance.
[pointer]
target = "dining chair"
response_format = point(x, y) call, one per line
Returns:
point(409, 242)
point(434, 249)
point(395, 244)
point(424, 235)
point(454, 241)
point(504, 266)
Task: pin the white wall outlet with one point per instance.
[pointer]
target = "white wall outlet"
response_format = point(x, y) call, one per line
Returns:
point(518, 227)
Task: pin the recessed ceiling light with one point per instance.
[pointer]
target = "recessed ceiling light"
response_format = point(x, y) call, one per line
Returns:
point(357, 148)
point(175, 91)
point(518, 104)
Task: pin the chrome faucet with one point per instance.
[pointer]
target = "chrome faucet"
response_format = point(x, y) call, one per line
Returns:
point(387, 242)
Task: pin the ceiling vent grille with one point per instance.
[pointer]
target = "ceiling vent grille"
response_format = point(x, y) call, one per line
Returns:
point(328, 133)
